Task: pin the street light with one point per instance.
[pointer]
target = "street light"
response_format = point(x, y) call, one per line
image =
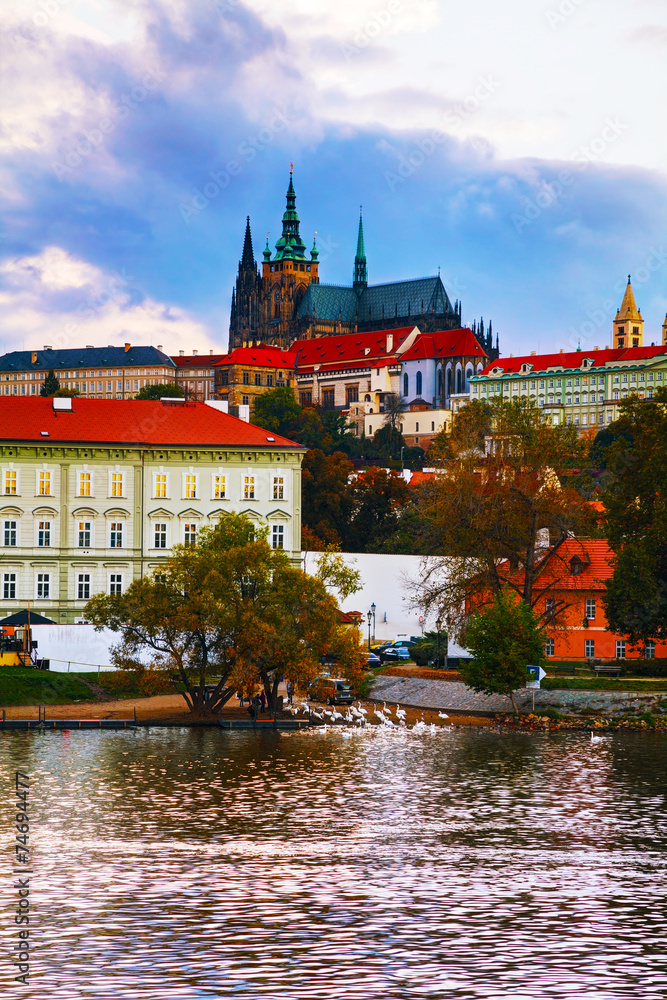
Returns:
point(373, 610)
point(369, 615)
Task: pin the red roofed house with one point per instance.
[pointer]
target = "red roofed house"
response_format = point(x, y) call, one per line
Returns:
point(246, 372)
point(354, 372)
point(94, 493)
point(583, 387)
point(577, 580)
point(195, 373)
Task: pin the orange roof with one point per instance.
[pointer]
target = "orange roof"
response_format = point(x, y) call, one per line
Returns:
point(266, 357)
point(350, 350)
point(593, 555)
point(130, 421)
point(574, 359)
point(418, 478)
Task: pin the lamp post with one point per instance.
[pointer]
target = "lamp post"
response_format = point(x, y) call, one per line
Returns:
point(373, 610)
point(369, 616)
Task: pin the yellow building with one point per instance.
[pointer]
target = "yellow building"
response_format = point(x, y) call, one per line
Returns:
point(247, 372)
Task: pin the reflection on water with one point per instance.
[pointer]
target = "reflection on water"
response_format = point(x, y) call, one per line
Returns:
point(174, 864)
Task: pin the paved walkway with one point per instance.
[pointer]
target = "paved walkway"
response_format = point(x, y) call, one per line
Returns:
point(454, 695)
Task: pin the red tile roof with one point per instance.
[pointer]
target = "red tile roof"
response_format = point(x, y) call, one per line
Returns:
point(350, 350)
point(130, 421)
point(445, 343)
point(593, 553)
point(574, 359)
point(197, 360)
point(266, 357)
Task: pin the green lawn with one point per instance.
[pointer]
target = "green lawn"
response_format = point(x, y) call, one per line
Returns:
point(604, 684)
point(23, 686)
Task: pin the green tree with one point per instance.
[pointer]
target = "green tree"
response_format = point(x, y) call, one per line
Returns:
point(277, 410)
point(636, 520)
point(50, 385)
point(504, 638)
point(389, 441)
point(162, 390)
point(68, 393)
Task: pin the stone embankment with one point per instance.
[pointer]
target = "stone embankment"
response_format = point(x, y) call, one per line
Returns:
point(421, 692)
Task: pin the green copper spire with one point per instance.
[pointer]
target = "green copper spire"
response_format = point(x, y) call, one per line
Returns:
point(290, 246)
point(360, 271)
point(266, 254)
point(314, 253)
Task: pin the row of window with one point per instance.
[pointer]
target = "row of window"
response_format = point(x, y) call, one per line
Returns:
point(117, 536)
point(43, 586)
point(40, 376)
point(589, 649)
point(626, 378)
point(191, 487)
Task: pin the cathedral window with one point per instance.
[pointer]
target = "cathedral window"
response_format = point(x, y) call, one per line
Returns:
point(406, 384)
point(418, 381)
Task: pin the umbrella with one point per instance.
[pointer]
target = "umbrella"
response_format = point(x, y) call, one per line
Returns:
point(21, 618)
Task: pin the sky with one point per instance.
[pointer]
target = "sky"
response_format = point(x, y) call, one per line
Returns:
point(521, 148)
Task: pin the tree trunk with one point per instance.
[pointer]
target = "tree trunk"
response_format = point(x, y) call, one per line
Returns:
point(516, 710)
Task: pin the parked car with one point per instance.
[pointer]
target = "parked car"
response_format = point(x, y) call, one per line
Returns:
point(373, 660)
point(394, 653)
point(331, 690)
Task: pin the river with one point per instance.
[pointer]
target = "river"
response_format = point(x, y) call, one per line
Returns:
point(172, 864)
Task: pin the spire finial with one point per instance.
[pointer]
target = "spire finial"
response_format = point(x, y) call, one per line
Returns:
point(291, 167)
point(629, 282)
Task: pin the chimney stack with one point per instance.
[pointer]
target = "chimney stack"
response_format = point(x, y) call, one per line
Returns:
point(127, 347)
point(195, 353)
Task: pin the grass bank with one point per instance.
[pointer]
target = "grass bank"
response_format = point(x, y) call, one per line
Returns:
point(23, 686)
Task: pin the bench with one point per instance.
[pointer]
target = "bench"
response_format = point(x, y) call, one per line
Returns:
point(564, 668)
point(607, 669)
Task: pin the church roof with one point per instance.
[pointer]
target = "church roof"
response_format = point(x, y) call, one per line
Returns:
point(395, 298)
point(628, 310)
point(266, 357)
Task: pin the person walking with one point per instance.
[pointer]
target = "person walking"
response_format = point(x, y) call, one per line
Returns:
point(290, 691)
point(262, 701)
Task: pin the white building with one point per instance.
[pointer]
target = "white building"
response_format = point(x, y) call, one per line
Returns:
point(94, 493)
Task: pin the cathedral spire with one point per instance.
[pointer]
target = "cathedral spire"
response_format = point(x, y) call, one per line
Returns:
point(248, 257)
point(290, 246)
point(360, 270)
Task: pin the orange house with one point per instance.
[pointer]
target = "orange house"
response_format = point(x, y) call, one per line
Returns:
point(577, 581)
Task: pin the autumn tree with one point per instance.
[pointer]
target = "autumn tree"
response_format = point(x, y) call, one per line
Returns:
point(326, 503)
point(376, 498)
point(503, 517)
point(636, 520)
point(231, 610)
point(503, 638)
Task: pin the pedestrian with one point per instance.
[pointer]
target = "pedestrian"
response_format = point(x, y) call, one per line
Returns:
point(290, 690)
point(240, 698)
point(262, 700)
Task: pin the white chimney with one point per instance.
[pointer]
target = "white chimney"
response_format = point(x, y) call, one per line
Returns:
point(181, 354)
point(195, 353)
point(218, 404)
point(159, 347)
point(47, 347)
point(244, 412)
point(390, 343)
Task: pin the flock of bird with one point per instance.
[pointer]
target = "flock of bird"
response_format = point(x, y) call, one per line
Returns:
point(357, 716)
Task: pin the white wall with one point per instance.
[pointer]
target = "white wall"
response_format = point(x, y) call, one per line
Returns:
point(80, 646)
point(385, 582)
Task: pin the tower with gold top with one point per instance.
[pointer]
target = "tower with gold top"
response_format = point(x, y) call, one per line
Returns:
point(628, 324)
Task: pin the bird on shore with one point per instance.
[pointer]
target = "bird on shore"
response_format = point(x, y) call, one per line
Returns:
point(400, 713)
point(363, 711)
point(442, 715)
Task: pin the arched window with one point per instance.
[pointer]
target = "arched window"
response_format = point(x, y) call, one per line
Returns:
point(449, 382)
point(406, 384)
point(468, 375)
point(419, 383)
point(459, 380)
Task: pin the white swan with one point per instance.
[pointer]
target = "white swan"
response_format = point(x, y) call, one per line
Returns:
point(442, 715)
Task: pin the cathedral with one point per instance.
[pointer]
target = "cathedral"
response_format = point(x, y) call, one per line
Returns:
point(287, 302)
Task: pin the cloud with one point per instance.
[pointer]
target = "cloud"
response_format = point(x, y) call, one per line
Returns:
point(64, 301)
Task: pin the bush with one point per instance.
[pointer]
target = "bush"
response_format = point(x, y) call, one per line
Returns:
point(643, 668)
point(552, 713)
point(141, 681)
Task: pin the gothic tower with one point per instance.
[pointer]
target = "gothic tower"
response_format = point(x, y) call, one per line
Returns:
point(628, 324)
point(360, 271)
point(285, 278)
point(244, 321)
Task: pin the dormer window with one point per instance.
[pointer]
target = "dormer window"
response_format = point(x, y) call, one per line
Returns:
point(577, 566)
